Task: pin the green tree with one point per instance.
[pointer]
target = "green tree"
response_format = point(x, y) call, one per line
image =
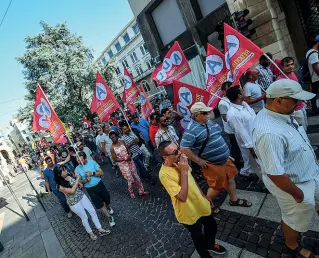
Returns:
point(57, 60)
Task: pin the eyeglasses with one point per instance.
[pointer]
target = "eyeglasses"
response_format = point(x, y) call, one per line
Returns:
point(175, 152)
point(205, 113)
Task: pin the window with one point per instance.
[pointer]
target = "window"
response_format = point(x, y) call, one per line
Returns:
point(117, 70)
point(103, 60)
point(126, 38)
point(145, 48)
point(27, 138)
point(118, 46)
point(110, 53)
point(33, 136)
point(19, 145)
point(149, 64)
point(124, 63)
point(24, 132)
point(136, 28)
point(133, 57)
point(146, 86)
point(122, 81)
point(139, 70)
point(142, 50)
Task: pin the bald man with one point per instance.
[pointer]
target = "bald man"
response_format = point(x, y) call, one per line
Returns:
point(253, 94)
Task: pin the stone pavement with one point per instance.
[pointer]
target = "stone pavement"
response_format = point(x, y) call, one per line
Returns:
point(21, 238)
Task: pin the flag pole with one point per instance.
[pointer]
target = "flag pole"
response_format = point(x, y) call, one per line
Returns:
point(76, 149)
point(272, 61)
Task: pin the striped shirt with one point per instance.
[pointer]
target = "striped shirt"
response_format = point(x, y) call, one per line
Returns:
point(166, 135)
point(283, 147)
point(135, 149)
point(216, 151)
point(266, 76)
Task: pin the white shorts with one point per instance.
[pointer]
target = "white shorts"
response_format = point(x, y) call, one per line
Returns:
point(296, 215)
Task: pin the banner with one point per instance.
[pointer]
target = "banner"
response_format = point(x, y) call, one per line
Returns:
point(216, 74)
point(130, 88)
point(104, 102)
point(45, 118)
point(130, 106)
point(146, 106)
point(240, 52)
point(174, 66)
point(185, 96)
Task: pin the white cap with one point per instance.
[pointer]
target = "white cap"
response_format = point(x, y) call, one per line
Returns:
point(200, 107)
point(288, 88)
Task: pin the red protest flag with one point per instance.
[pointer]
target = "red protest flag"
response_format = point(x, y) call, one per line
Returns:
point(130, 106)
point(174, 66)
point(104, 102)
point(146, 106)
point(45, 118)
point(216, 74)
point(130, 88)
point(185, 95)
point(240, 52)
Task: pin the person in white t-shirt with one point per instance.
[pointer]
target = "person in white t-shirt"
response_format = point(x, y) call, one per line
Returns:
point(104, 142)
point(254, 96)
point(223, 107)
point(313, 64)
point(80, 146)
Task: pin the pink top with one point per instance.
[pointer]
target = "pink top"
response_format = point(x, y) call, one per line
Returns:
point(292, 76)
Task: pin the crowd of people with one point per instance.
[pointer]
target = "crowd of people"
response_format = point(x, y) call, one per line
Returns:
point(262, 137)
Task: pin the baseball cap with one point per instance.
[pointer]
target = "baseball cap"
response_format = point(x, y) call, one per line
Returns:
point(288, 88)
point(78, 144)
point(200, 107)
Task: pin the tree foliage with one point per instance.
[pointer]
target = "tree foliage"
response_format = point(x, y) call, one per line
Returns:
point(58, 60)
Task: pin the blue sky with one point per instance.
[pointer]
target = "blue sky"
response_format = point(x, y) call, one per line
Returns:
point(97, 21)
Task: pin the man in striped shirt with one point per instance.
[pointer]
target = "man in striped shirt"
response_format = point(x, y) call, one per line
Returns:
point(289, 165)
point(165, 132)
point(266, 76)
point(203, 144)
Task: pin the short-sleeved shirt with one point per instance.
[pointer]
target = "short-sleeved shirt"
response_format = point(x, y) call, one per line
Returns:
point(166, 135)
point(143, 128)
point(253, 91)
point(313, 58)
point(49, 175)
point(135, 149)
point(152, 133)
point(196, 205)
point(223, 107)
point(266, 76)
point(75, 197)
point(90, 166)
point(283, 147)
point(104, 138)
point(216, 150)
point(88, 153)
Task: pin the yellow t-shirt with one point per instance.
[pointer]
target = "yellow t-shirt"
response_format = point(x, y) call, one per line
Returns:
point(196, 205)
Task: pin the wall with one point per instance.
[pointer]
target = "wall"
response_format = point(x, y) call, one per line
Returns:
point(138, 5)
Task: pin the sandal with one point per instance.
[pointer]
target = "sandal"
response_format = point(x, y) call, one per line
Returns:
point(132, 195)
point(240, 203)
point(93, 236)
point(297, 253)
point(216, 210)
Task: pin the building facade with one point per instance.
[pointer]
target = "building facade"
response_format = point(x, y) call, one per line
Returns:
point(128, 49)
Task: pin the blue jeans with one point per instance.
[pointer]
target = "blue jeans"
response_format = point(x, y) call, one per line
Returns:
point(62, 200)
point(139, 163)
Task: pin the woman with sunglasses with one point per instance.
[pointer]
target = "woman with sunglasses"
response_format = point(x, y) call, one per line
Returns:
point(122, 155)
point(77, 200)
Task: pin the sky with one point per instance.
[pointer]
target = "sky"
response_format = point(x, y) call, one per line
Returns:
point(97, 21)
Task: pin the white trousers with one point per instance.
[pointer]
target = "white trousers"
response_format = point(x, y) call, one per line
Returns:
point(146, 155)
point(79, 209)
point(250, 164)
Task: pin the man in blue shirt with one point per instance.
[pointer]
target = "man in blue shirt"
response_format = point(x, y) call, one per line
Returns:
point(203, 143)
point(142, 126)
point(91, 174)
point(51, 185)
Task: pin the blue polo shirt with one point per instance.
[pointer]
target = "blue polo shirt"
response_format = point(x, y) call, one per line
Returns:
point(49, 175)
point(90, 166)
point(143, 128)
point(216, 150)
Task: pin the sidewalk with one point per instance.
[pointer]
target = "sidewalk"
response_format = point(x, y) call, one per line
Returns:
point(22, 238)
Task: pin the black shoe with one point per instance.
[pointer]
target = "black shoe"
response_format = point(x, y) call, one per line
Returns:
point(218, 249)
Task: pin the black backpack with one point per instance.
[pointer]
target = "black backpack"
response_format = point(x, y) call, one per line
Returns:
point(303, 71)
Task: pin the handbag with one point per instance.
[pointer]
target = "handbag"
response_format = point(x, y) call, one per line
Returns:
point(195, 167)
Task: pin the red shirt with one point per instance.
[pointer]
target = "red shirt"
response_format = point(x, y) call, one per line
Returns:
point(153, 130)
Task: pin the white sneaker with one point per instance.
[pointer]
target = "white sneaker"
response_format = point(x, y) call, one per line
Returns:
point(111, 211)
point(111, 221)
point(104, 232)
point(69, 215)
point(92, 236)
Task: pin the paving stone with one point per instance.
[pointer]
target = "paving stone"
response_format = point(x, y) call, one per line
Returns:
point(247, 254)
point(264, 243)
point(243, 236)
point(251, 247)
point(253, 239)
point(276, 247)
point(310, 241)
point(239, 243)
point(272, 254)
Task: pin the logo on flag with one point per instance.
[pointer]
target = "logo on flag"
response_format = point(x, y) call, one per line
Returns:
point(130, 88)
point(174, 66)
point(101, 92)
point(146, 106)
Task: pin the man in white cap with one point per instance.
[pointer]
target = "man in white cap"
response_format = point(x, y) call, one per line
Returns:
point(289, 165)
point(203, 143)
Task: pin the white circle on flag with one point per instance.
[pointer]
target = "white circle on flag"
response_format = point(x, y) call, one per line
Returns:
point(232, 44)
point(185, 96)
point(167, 65)
point(142, 99)
point(215, 64)
point(176, 58)
point(229, 77)
point(161, 76)
point(100, 91)
point(127, 82)
point(43, 108)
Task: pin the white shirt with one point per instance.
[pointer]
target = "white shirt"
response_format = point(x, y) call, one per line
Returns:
point(106, 139)
point(283, 147)
point(223, 107)
point(240, 119)
point(88, 153)
point(253, 91)
point(313, 58)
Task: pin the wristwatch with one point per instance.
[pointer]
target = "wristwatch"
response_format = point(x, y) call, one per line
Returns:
point(93, 174)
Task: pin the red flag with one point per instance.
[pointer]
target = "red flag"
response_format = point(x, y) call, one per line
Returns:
point(104, 102)
point(130, 106)
point(130, 88)
point(45, 118)
point(146, 106)
point(240, 52)
point(185, 96)
point(174, 66)
point(85, 120)
point(216, 74)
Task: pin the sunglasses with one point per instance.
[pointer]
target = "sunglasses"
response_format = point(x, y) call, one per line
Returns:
point(175, 152)
point(205, 113)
